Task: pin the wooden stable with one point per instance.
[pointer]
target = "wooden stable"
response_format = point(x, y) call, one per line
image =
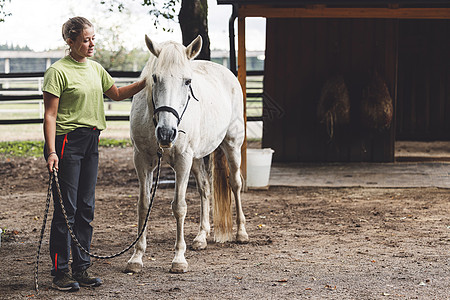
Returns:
point(307, 42)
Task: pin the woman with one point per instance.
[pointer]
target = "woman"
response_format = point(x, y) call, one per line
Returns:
point(74, 116)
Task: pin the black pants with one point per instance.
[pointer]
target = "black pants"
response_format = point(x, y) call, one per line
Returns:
point(78, 166)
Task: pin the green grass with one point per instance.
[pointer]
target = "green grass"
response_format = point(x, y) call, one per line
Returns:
point(22, 149)
point(35, 148)
point(122, 143)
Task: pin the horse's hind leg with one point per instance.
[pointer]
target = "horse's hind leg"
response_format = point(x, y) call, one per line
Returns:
point(203, 186)
point(145, 176)
point(233, 153)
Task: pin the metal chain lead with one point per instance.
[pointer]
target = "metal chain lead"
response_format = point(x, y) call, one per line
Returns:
point(54, 176)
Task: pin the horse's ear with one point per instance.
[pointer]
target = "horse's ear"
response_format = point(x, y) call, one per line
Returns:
point(153, 47)
point(194, 48)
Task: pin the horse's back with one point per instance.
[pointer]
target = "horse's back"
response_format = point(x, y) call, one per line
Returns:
point(221, 86)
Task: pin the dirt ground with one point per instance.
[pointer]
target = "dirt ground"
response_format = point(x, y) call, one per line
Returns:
point(305, 243)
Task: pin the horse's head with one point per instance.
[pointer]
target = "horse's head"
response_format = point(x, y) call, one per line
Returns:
point(170, 79)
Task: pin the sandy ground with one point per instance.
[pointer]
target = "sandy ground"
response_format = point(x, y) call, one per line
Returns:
point(305, 243)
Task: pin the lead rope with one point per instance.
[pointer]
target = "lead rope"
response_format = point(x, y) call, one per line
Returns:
point(54, 176)
point(47, 205)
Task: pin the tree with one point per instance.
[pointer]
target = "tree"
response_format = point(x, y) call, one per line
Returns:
point(12, 47)
point(110, 48)
point(110, 52)
point(192, 17)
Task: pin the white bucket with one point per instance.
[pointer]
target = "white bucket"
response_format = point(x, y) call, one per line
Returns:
point(258, 167)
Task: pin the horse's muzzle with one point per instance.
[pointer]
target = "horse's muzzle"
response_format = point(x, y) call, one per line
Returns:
point(166, 136)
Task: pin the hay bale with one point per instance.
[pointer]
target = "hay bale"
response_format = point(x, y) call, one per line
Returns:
point(376, 107)
point(334, 104)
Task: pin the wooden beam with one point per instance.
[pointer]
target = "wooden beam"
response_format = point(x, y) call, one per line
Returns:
point(242, 77)
point(339, 12)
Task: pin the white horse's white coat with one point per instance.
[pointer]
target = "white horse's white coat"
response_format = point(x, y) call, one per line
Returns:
point(215, 120)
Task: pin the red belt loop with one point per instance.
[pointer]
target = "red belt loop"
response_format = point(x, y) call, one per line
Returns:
point(95, 128)
point(63, 145)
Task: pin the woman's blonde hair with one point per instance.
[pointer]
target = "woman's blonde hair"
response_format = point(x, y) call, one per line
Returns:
point(73, 27)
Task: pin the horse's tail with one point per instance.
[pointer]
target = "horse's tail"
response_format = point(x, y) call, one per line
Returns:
point(222, 210)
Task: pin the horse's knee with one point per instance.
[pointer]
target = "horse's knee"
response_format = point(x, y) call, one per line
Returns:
point(179, 210)
point(235, 181)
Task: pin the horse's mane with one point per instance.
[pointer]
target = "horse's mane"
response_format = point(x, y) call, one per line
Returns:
point(171, 61)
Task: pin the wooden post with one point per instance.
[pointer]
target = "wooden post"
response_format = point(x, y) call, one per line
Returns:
point(242, 77)
point(7, 67)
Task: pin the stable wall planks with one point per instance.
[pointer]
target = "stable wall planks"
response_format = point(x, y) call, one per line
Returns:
point(423, 111)
point(301, 54)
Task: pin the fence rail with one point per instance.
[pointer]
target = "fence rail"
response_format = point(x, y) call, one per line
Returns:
point(19, 94)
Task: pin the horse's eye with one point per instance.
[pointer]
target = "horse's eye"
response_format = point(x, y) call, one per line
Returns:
point(188, 82)
point(154, 78)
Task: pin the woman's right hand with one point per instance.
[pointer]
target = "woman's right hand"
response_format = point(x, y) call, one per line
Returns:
point(52, 162)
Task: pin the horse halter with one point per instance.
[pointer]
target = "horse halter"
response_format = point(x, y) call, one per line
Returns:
point(171, 109)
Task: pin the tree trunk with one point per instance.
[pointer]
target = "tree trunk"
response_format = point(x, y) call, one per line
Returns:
point(193, 19)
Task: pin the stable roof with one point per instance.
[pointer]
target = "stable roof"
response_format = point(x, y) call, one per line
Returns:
point(335, 2)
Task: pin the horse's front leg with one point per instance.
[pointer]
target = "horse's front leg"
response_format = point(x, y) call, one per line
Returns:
point(145, 176)
point(179, 208)
point(203, 186)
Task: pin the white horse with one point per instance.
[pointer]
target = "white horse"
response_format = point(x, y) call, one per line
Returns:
point(189, 108)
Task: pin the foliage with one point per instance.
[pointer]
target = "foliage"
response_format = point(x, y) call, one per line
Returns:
point(35, 148)
point(14, 47)
point(121, 60)
point(113, 56)
point(165, 9)
point(111, 48)
point(3, 12)
point(25, 148)
point(122, 143)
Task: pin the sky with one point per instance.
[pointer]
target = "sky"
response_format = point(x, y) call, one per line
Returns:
point(38, 24)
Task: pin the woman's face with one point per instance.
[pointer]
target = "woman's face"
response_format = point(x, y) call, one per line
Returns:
point(83, 46)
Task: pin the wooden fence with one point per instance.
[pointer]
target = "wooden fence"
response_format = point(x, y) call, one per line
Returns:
point(26, 94)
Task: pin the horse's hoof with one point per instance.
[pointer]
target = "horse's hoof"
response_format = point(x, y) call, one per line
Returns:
point(179, 268)
point(242, 238)
point(133, 268)
point(199, 245)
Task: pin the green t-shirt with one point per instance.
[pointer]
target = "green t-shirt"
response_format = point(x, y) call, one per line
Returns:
point(80, 88)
